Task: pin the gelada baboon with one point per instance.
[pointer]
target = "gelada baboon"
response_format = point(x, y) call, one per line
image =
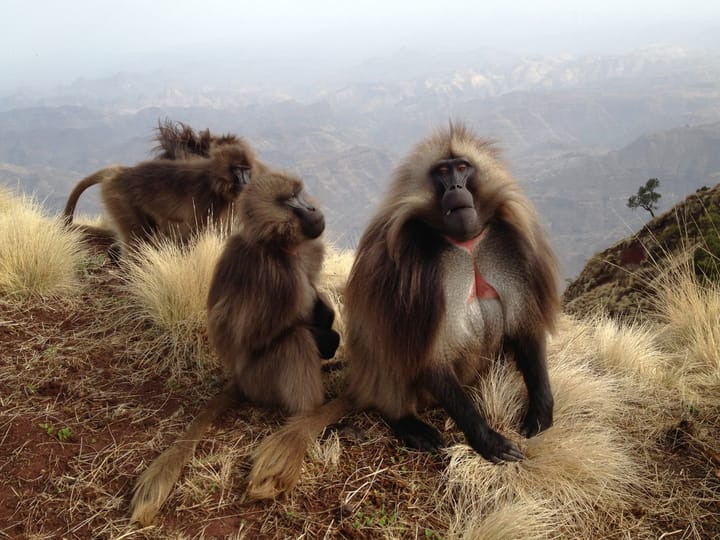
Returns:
point(176, 140)
point(452, 271)
point(266, 321)
point(171, 198)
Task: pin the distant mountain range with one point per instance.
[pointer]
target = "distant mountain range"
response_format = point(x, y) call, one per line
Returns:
point(584, 203)
point(580, 133)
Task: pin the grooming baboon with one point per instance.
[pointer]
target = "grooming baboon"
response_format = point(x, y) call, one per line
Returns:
point(171, 198)
point(179, 141)
point(452, 271)
point(175, 141)
point(266, 321)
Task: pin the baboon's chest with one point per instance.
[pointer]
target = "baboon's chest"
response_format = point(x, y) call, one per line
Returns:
point(473, 312)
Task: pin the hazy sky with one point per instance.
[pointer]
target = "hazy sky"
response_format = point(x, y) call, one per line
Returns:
point(56, 41)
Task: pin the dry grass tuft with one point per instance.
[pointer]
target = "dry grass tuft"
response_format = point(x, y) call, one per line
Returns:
point(529, 519)
point(327, 451)
point(333, 277)
point(8, 199)
point(581, 467)
point(39, 257)
point(168, 287)
point(336, 268)
point(690, 335)
point(630, 355)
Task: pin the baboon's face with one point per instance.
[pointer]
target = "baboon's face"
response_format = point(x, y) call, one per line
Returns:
point(312, 221)
point(454, 180)
point(239, 168)
point(240, 177)
point(277, 208)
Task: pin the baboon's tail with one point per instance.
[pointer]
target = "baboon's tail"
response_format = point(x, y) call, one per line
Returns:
point(94, 178)
point(278, 459)
point(154, 485)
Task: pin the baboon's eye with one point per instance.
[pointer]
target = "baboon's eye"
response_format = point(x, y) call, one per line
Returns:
point(462, 167)
point(444, 170)
point(287, 198)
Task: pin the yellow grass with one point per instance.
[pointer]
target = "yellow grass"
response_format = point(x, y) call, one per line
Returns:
point(690, 335)
point(529, 519)
point(336, 268)
point(582, 466)
point(334, 274)
point(8, 199)
point(168, 286)
point(39, 257)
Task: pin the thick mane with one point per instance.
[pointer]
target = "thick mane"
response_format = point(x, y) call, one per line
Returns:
point(393, 254)
point(401, 300)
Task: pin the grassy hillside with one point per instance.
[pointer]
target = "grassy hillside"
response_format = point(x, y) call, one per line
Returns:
point(98, 378)
point(622, 279)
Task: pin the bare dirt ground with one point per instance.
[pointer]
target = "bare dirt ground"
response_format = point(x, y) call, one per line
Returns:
point(82, 413)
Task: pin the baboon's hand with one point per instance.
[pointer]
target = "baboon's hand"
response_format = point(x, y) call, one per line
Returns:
point(327, 342)
point(536, 420)
point(496, 448)
point(323, 314)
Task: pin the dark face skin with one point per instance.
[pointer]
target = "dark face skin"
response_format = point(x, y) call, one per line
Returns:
point(241, 177)
point(312, 221)
point(457, 204)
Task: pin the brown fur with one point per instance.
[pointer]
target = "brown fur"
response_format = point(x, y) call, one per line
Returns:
point(260, 309)
point(399, 331)
point(95, 178)
point(169, 198)
point(176, 140)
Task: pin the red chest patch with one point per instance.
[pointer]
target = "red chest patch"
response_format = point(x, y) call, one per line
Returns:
point(480, 288)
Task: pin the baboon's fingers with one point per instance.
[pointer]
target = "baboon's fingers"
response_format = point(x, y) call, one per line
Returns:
point(537, 421)
point(498, 449)
point(513, 454)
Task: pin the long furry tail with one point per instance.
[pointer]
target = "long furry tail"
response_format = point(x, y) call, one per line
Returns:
point(278, 459)
point(95, 178)
point(154, 485)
